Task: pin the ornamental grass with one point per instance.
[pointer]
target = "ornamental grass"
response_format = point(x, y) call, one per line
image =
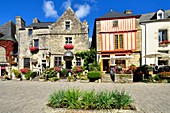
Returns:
point(88, 100)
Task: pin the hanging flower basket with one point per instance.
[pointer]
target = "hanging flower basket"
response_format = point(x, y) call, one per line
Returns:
point(68, 46)
point(34, 49)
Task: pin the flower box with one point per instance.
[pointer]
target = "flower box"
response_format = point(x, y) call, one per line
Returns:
point(164, 42)
point(33, 49)
point(68, 46)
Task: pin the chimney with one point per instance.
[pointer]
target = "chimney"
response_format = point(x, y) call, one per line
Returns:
point(128, 12)
point(20, 23)
point(35, 20)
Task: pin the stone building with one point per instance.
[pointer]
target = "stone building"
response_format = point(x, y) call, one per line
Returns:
point(117, 39)
point(41, 44)
point(8, 48)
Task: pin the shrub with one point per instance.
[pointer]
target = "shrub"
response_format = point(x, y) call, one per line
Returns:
point(71, 78)
point(94, 66)
point(16, 73)
point(94, 75)
point(27, 75)
point(49, 72)
point(64, 73)
point(54, 79)
point(76, 99)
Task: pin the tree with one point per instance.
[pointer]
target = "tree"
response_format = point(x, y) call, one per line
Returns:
point(87, 56)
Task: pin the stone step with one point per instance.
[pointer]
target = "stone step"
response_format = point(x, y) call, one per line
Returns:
point(106, 78)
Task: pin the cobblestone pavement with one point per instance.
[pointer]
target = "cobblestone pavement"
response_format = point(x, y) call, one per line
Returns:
point(32, 96)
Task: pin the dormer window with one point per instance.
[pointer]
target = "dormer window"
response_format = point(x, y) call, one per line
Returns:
point(67, 25)
point(160, 14)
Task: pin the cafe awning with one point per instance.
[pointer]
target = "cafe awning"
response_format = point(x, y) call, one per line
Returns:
point(121, 57)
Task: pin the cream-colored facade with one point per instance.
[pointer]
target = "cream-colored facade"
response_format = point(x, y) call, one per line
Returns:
point(50, 39)
point(155, 36)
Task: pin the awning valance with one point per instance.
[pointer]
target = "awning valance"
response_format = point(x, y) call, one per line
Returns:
point(121, 57)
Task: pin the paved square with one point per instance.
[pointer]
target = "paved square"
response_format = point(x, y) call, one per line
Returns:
point(32, 96)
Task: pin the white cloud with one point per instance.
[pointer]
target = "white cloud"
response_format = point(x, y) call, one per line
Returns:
point(83, 10)
point(66, 4)
point(48, 7)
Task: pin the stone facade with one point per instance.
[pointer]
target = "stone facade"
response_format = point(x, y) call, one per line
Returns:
point(51, 39)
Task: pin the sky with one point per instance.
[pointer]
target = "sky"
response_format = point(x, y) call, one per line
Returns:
point(51, 10)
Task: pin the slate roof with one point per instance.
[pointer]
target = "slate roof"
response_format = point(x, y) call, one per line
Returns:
point(113, 14)
point(153, 16)
point(40, 25)
point(7, 31)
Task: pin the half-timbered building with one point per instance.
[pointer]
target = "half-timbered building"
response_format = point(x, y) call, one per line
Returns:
point(117, 39)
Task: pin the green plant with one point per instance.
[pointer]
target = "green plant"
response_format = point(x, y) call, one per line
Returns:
point(49, 72)
point(94, 66)
point(16, 73)
point(71, 78)
point(103, 100)
point(120, 99)
point(64, 72)
point(27, 75)
point(76, 99)
point(72, 99)
point(56, 99)
point(54, 79)
point(87, 56)
point(94, 75)
point(88, 100)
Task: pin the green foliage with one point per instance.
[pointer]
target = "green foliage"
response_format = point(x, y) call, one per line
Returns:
point(94, 75)
point(54, 79)
point(71, 78)
point(103, 100)
point(120, 99)
point(88, 56)
point(56, 99)
point(27, 75)
point(49, 73)
point(64, 72)
point(94, 66)
point(76, 99)
point(16, 73)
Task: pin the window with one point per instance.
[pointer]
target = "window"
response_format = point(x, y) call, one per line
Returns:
point(67, 24)
point(36, 43)
point(163, 35)
point(26, 62)
point(68, 40)
point(118, 41)
point(29, 32)
point(78, 61)
point(57, 61)
point(160, 16)
point(115, 23)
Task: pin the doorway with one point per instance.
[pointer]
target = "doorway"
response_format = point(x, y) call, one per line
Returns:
point(106, 65)
point(68, 64)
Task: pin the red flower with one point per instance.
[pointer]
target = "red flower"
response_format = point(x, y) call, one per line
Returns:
point(68, 46)
point(24, 70)
point(34, 48)
point(165, 42)
point(57, 69)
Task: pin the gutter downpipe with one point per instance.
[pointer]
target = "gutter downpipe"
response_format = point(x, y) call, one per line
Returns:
point(145, 41)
